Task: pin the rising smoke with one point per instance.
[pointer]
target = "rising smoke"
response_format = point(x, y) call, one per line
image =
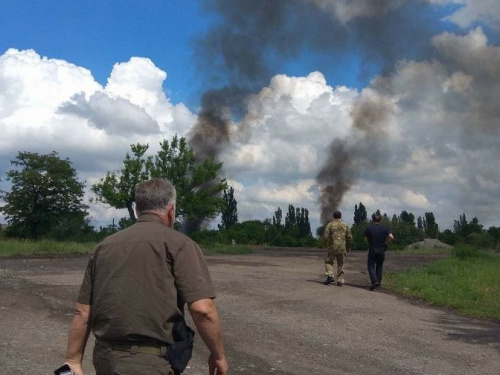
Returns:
point(253, 40)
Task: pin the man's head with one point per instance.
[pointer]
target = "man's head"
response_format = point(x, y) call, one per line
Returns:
point(156, 196)
point(337, 215)
point(376, 218)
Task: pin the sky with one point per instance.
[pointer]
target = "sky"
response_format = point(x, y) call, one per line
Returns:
point(321, 104)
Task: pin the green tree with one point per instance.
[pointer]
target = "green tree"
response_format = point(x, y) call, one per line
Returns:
point(278, 215)
point(118, 189)
point(290, 220)
point(45, 196)
point(407, 217)
point(198, 186)
point(360, 214)
point(431, 227)
point(230, 212)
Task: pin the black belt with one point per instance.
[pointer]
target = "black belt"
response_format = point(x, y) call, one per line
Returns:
point(153, 349)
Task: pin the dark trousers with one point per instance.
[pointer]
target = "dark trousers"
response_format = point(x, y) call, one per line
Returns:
point(375, 266)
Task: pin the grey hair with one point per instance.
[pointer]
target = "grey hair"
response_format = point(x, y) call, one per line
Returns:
point(154, 195)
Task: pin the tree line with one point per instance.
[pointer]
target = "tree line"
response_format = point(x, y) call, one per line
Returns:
point(46, 201)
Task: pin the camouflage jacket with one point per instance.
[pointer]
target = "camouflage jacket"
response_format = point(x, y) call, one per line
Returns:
point(337, 236)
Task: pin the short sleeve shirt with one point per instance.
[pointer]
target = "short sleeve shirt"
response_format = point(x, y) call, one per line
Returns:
point(377, 235)
point(138, 280)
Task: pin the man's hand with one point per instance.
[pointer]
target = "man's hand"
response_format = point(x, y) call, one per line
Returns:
point(217, 366)
point(75, 367)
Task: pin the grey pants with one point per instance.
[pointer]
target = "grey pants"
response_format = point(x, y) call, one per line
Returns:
point(114, 362)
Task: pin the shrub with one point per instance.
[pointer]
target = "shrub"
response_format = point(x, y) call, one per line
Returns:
point(465, 251)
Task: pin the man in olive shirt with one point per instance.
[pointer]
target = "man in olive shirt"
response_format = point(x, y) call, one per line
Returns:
point(337, 237)
point(134, 289)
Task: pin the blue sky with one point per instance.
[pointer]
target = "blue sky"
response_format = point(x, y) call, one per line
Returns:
point(409, 88)
point(97, 34)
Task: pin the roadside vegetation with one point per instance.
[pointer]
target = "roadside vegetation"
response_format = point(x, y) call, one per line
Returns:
point(49, 248)
point(468, 282)
point(13, 247)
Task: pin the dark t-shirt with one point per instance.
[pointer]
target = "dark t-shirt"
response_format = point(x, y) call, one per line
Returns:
point(138, 280)
point(377, 235)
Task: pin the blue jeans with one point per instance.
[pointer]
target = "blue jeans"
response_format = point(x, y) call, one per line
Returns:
point(376, 266)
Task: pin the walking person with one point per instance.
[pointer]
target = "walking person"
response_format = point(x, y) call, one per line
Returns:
point(134, 291)
point(376, 237)
point(337, 237)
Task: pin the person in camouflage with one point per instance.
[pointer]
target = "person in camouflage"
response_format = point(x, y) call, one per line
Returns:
point(337, 238)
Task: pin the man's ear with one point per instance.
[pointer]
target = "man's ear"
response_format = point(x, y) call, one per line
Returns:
point(171, 214)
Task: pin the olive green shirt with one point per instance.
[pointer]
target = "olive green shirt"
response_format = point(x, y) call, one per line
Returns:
point(138, 280)
point(337, 236)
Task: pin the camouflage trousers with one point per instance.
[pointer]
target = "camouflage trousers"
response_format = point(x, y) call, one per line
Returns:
point(331, 257)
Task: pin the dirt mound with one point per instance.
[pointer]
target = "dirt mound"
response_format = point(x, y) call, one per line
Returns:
point(429, 243)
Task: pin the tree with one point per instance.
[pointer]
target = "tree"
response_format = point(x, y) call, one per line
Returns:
point(278, 215)
point(360, 214)
point(431, 227)
point(45, 195)
point(464, 229)
point(290, 220)
point(230, 212)
point(198, 186)
point(118, 189)
point(407, 217)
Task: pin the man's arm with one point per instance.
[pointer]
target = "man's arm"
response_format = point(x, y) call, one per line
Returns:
point(390, 237)
point(206, 318)
point(78, 336)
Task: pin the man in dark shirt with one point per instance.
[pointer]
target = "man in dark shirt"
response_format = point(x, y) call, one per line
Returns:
point(376, 236)
point(135, 287)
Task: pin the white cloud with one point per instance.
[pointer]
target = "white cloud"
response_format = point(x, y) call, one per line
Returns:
point(50, 104)
point(439, 138)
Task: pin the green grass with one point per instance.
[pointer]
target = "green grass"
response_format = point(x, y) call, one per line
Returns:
point(43, 247)
point(468, 282)
point(226, 249)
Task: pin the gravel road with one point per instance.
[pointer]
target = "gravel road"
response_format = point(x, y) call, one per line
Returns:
point(277, 318)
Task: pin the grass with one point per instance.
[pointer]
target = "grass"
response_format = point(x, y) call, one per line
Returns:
point(56, 248)
point(468, 282)
point(43, 247)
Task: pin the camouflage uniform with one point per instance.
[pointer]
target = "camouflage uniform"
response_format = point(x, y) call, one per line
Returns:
point(337, 237)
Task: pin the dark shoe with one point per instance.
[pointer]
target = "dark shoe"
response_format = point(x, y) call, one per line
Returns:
point(329, 280)
point(339, 284)
point(374, 286)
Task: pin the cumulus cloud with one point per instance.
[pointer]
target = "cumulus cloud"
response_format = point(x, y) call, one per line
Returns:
point(50, 104)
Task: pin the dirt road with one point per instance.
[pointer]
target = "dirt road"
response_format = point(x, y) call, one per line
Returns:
point(278, 318)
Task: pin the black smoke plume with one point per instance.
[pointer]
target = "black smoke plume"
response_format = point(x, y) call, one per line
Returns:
point(251, 41)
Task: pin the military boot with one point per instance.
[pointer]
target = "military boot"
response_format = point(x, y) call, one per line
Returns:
point(329, 280)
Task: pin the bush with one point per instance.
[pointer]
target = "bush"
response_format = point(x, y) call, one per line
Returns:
point(466, 251)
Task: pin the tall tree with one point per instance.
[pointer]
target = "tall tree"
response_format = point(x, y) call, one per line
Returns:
point(431, 227)
point(290, 220)
point(407, 217)
point(45, 193)
point(230, 211)
point(360, 214)
point(278, 215)
point(198, 186)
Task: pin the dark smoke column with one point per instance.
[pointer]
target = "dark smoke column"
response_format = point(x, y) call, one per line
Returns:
point(334, 179)
point(360, 153)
